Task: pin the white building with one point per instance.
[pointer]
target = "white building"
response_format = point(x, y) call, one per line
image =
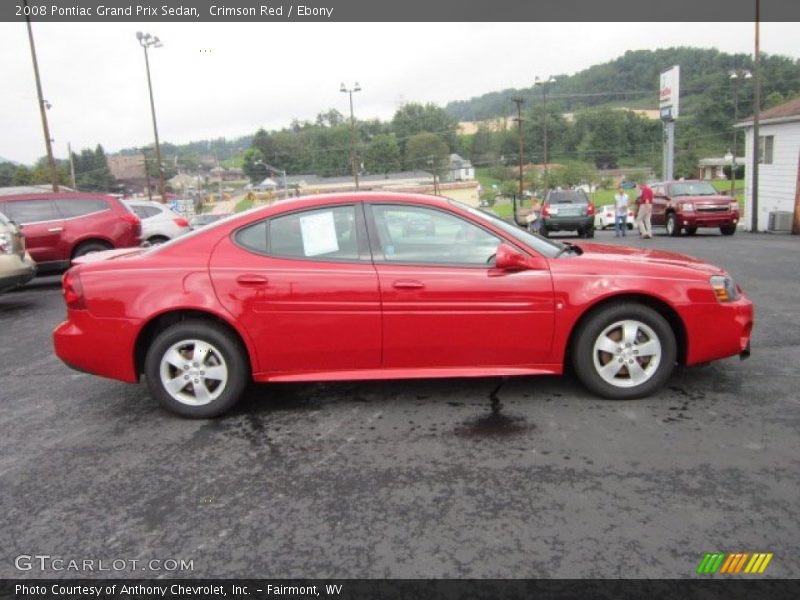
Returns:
point(459, 169)
point(779, 156)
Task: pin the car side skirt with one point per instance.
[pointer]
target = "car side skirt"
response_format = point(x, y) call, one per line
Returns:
point(426, 373)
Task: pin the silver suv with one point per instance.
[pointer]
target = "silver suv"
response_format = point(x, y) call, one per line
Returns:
point(16, 265)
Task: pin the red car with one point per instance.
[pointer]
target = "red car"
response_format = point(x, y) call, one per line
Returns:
point(687, 205)
point(331, 288)
point(60, 227)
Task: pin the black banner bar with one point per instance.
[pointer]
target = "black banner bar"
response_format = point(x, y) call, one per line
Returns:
point(404, 589)
point(276, 11)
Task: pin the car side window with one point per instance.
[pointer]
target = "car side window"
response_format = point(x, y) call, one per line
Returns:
point(31, 211)
point(78, 207)
point(419, 235)
point(324, 234)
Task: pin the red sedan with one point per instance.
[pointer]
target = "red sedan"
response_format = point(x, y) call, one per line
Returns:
point(342, 287)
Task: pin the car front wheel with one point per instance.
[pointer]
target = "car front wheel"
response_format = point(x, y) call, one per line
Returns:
point(624, 351)
point(673, 228)
point(728, 230)
point(196, 369)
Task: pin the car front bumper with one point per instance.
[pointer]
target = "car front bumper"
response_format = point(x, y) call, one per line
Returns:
point(15, 271)
point(718, 330)
point(692, 220)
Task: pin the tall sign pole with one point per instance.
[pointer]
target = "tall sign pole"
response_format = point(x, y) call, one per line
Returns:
point(668, 103)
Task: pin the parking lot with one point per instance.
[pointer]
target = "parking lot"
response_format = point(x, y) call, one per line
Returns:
point(486, 478)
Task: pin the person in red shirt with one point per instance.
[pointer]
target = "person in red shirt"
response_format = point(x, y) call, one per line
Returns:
point(644, 212)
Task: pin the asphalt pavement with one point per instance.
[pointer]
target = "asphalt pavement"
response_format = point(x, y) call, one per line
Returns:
point(522, 477)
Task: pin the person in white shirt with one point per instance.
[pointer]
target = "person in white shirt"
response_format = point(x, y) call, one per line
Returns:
point(621, 202)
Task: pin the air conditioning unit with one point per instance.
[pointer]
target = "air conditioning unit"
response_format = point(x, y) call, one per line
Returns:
point(780, 221)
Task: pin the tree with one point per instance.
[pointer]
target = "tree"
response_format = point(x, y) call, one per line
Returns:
point(253, 165)
point(23, 176)
point(415, 118)
point(7, 170)
point(382, 155)
point(573, 173)
point(427, 152)
point(91, 170)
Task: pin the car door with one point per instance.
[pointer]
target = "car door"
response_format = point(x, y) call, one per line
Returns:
point(444, 303)
point(303, 287)
point(42, 226)
point(660, 202)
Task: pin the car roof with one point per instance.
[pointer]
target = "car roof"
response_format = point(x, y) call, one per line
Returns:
point(57, 196)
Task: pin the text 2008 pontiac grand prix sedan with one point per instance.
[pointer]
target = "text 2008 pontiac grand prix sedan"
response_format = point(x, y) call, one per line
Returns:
point(342, 287)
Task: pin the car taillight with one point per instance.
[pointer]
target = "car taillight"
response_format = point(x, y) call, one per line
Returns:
point(134, 221)
point(6, 244)
point(590, 209)
point(545, 211)
point(72, 289)
point(181, 222)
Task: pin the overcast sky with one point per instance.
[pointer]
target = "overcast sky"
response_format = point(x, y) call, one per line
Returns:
point(228, 79)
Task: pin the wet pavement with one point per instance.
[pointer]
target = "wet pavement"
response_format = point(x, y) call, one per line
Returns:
point(511, 477)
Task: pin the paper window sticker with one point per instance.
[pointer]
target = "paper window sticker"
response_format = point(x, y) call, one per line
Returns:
point(319, 233)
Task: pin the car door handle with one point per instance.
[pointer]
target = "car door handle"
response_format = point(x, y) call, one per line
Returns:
point(252, 280)
point(55, 229)
point(408, 284)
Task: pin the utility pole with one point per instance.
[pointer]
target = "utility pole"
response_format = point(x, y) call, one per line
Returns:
point(146, 41)
point(736, 75)
point(518, 100)
point(72, 167)
point(796, 220)
point(756, 114)
point(147, 178)
point(353, 155)
point(543, 83)
point(43, 106)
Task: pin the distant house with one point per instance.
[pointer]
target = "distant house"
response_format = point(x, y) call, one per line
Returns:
point(778, 157)
point(714, 168)
point(459, 169)
point(268, 185)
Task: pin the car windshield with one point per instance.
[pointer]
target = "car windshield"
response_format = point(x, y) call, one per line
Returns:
point(548, 248)
point(567, 197)
point(3, 219)
point(693, 188)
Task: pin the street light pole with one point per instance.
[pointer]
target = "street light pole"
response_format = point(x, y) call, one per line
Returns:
point(544, 83)
point(756, 115)
point(43, 106)
point(736, 75)
point(353, 161)
point(146, 41)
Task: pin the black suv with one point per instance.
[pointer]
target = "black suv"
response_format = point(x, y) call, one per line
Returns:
point(567, 210)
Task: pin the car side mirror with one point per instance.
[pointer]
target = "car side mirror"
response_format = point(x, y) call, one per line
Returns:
point(508, 258)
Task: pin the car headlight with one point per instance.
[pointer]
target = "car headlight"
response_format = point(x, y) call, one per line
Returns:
point(686, 207)
point(724, 287)
point(6, 245)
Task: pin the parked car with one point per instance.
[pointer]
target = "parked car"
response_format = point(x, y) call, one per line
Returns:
point(605, 217)
point(688, 205)
point(567, 210)
point(204, 219)
point(159, 223)
point(16, 265)
point(60, 227)
point(321, 288)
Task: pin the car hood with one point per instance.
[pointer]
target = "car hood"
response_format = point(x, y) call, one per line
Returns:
point(606, 253)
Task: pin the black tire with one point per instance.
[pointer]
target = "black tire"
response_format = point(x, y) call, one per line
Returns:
point(89, 247)
point(593, 328)
point(544, 232)
point(157, 239)
point(691, 230)
point(728, 230)
point(222, 343)
point(673, 229)
point(630, 226)
point(590, 232)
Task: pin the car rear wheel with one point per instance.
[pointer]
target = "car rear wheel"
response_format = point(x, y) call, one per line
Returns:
point(196, 369)
point(89, 247)
point(157, 239)
point(590, 233)
point(624, 351)
point(673, 228)
point(728, 229)
point(544, 232)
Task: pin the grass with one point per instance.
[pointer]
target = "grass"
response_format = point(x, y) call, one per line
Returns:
point(243, 204)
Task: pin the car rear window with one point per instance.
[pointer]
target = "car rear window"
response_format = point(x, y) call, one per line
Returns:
point(567, 197)
point(143, 212)
point(78, 207)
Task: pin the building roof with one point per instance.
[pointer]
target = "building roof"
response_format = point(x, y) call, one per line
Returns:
point(719, 161)
point(786, 112)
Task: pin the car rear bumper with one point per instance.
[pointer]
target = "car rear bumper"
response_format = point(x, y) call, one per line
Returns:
point(568, 223)
point(102, 347)
point(718, 331)
point(15, 271)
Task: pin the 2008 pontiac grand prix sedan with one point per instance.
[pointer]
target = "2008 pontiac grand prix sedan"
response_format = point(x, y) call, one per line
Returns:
point(343, 286)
